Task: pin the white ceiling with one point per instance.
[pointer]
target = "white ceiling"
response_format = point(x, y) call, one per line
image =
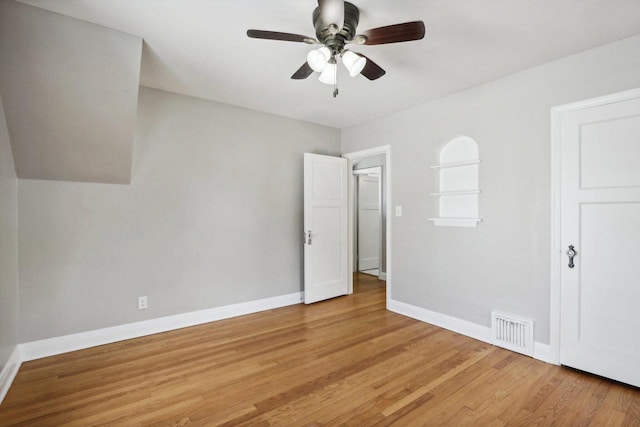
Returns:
point(200, 48)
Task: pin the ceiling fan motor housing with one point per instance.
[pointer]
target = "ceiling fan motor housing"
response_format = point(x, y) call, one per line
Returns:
point(335, 42)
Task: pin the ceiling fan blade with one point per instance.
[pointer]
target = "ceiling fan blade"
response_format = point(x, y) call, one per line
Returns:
point(274, 35)
point(371, 70)
point(332, 12)
point(395, 33)
point(303, 72)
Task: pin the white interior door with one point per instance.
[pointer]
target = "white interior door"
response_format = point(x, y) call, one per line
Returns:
point(369, 222)
point(325, 227)
point(600, 218)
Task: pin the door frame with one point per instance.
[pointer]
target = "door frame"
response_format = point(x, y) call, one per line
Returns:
point(556, 205)
point(356, 217)
point(386, 150)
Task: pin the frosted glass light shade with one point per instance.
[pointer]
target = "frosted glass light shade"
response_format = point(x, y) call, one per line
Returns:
point(318, 58)
point(329, 74)
point(332, 14)
point(354, 63)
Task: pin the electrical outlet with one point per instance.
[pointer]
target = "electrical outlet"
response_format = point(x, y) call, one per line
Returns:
point(142, 303)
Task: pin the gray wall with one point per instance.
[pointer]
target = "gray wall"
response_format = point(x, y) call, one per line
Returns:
point(8, 246)
point(213, 217)
point(70, 90)
point(504, 263)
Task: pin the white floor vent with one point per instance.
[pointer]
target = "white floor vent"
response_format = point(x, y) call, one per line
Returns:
point(512, 333)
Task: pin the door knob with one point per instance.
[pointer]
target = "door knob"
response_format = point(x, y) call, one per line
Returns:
point(571, 253)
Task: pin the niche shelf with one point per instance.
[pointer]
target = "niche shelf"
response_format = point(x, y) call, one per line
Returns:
point(455, 164)
point(458, 184)
point(455, 193)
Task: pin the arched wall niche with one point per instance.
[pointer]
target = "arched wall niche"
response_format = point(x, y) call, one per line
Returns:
point(459, 149)
point(458, 186)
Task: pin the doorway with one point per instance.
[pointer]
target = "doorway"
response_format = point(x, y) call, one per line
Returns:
point(379, 157)
point(368, 220)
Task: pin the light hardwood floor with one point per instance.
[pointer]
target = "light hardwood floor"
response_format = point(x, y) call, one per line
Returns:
point(345, 361)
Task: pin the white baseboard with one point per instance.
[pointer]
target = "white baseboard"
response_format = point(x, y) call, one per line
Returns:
point(9, 372)
point(543, 352)
point(470, 329)
point(473, 330)
point(58, 345)
point(382, 276)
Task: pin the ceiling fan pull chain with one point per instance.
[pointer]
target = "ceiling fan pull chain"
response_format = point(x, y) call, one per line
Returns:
point(335, 83)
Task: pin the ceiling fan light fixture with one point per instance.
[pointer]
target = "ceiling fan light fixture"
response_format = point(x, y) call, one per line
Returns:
point(353, 62)
point(329, 75)
point(318, 58)
point(336, 25)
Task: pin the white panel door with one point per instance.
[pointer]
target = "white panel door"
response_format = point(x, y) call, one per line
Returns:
point(369, 222)
point(325, 228)
point(600, 208)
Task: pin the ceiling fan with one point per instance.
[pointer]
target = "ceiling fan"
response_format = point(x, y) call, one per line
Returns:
point(335, 22)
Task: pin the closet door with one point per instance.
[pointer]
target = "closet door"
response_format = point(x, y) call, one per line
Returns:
point(369, 222)
point(600, 235)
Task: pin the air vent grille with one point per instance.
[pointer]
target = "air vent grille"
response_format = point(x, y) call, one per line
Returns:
point(513, 333)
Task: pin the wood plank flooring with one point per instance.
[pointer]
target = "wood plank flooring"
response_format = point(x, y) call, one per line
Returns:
point(345, 361)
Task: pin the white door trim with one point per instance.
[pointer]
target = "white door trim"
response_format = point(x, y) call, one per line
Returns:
point(386, 150)
point(556, 249)
point(367, 171)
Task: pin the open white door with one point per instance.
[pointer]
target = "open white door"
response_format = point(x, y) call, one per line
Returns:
point(600, 225)
point(326, 270)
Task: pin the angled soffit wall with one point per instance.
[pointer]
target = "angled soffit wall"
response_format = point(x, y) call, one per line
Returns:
point(70, 92)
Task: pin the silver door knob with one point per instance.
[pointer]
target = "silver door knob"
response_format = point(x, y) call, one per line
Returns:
point(571, 253)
